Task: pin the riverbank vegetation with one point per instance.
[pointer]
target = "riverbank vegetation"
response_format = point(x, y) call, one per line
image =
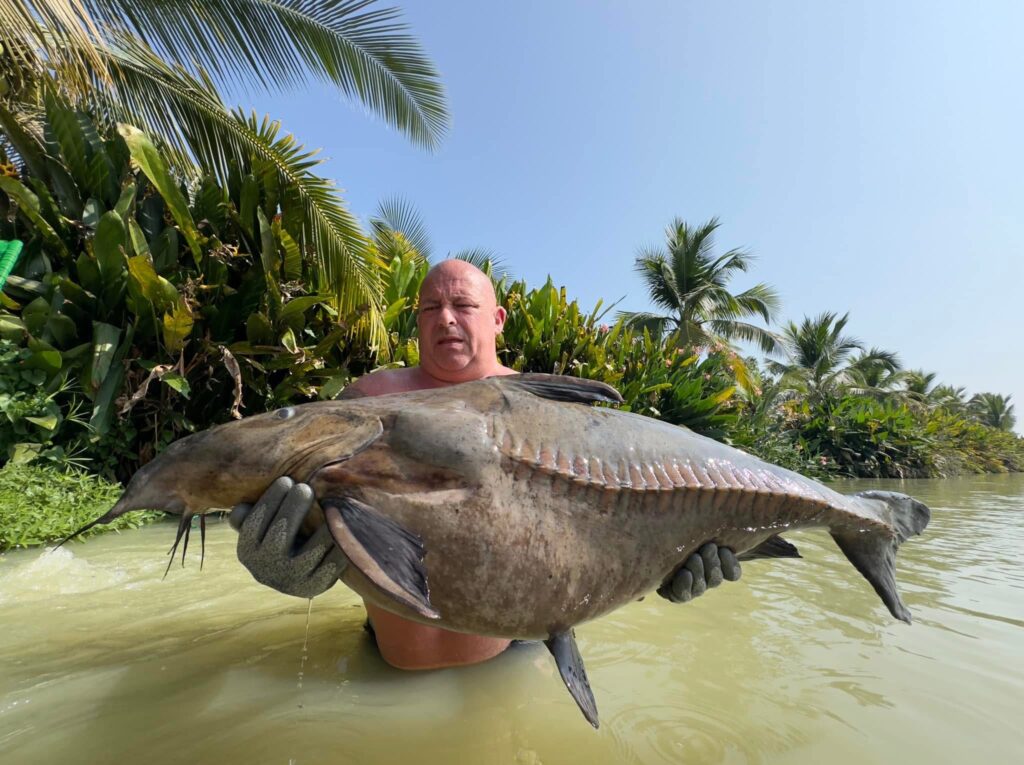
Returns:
point(173, 280)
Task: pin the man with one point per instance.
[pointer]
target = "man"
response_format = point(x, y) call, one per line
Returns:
point(459, 321)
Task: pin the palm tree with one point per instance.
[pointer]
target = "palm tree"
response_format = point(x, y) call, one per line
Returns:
point(690, 284)
point(993, 410)
point(876, 373)
point(154, 64)
point(817, 357)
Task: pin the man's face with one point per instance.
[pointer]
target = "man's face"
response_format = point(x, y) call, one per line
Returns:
point(458, 323)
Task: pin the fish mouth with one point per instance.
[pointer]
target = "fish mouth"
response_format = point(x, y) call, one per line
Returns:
point(300, 463)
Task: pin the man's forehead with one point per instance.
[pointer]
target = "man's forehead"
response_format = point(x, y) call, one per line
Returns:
point(450, 286)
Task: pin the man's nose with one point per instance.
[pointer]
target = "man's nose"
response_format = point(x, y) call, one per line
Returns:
point(446, 316)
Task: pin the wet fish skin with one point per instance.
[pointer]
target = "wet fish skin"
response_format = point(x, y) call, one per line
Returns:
point(535, 515)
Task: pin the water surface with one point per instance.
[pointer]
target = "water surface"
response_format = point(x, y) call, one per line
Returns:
point(102, 661)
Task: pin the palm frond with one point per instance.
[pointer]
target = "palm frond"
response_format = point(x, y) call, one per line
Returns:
point(765, 339)
point(397, 214)
point(361, 49)
point(486, 260)
point(640, 321)
point(187, 113)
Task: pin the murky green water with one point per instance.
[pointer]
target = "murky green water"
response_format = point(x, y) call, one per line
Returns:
point(102, 662)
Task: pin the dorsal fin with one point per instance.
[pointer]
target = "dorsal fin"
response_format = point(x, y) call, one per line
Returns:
point(562, 388)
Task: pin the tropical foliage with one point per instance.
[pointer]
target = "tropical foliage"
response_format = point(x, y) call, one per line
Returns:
point(161, 65)
point(148, 304)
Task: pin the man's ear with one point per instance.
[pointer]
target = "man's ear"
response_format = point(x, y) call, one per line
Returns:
point(500, 314)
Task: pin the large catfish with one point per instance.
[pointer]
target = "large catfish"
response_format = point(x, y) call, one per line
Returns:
point(509, 507)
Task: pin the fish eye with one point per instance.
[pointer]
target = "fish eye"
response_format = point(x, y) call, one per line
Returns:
point(284, 414)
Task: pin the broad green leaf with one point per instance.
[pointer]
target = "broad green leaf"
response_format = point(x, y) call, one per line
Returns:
point(288, 341)
point(35, 315)
point(62, 329)
point(25, 453)
point(269, 258)
point(11, 327)
point(48, 422)
point(104, 346)
point(394, 311)
point(44, 357)
point(250, 198)
point(177, 382)
point(146, 156)
point(139, 244)
point(292, 253)
point(157, 290)
point(89, 274)
point(109, 247)
point(91, 213)
point(258, 330)
point(299, 306)
point(28, 204)
point(103, 402)
point(176, 326)
point(125, 206)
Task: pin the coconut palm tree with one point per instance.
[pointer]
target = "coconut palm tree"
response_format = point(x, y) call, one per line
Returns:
point(876, 373)
point(993, 410)
point(689, 283)
point(161, 65)
point(817, 358)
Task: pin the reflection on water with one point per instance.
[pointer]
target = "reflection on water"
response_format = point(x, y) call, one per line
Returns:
point(102, 661)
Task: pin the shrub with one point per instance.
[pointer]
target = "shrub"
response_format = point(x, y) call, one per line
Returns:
point(40, 504)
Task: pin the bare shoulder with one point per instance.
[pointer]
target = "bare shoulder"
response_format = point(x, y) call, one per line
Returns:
point(382, 382)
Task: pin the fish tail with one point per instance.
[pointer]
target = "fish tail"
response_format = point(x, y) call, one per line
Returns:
point(873, 551)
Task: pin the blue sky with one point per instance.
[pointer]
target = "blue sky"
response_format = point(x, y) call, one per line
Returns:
point(868, 154)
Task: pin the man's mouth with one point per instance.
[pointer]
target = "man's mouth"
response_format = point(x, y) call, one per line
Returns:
point(450, 341)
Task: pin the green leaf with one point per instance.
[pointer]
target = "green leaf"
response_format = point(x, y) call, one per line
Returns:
point(109, 247)
point(44, 357)
point(104, 346)
point(91, 213)
point(250, 198)
point(157, 290)
point(299, 305)
point(28, 205)
point(139, 244)
point(35, 315)
point(11, 328)
point(292, 254)
point(148, 158)
point(288, 341)
point(176, 326)
point(125, 206)
point(177, 382)
point(258, 330)
point(48, 422)
point(25, 453)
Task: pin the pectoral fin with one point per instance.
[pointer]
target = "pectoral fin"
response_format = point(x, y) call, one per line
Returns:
point(388, 555)
point(570, 666)
point(772, 547)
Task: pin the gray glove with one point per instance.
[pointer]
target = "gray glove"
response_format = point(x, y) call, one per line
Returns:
point(703, 570)
point(269, 547)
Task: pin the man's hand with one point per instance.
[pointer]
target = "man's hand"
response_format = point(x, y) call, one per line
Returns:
point(269, 548)
point(703, 570)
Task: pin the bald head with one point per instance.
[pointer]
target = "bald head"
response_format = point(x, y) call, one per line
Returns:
point(459, 321)
point(460, 270)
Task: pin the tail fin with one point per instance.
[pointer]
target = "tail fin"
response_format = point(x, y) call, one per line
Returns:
point(873, 551)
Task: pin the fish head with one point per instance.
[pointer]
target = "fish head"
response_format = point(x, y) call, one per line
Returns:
point(236, 462)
